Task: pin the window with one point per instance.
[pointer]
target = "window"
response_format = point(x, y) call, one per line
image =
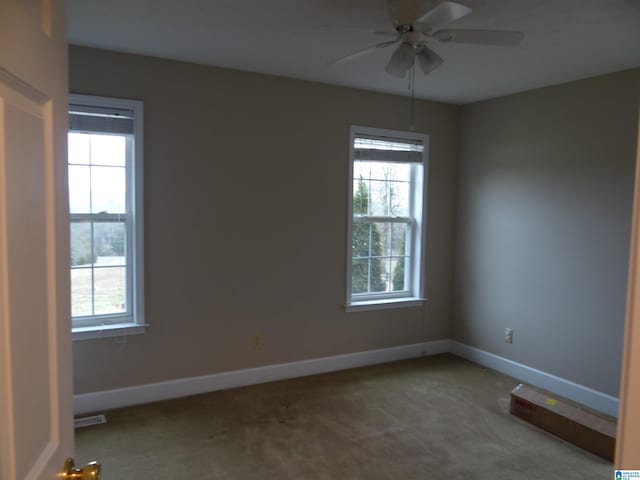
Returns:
point(105, 207)
point(386, 211)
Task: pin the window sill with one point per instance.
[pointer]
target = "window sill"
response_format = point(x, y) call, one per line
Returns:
point(105, 331)
point(385, 304)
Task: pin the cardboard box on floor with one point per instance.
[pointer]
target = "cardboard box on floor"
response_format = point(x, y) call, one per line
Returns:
point(567, 420)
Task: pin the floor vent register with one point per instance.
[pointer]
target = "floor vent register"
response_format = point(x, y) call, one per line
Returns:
point(88, 421)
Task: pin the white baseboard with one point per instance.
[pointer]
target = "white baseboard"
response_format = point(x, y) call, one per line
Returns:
point(565, 388)
point(154, 392)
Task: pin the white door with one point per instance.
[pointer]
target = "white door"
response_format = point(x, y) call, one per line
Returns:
point(36, 432)
point(628, 440)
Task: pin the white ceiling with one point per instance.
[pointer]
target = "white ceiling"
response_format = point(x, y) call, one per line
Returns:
point(564, 40)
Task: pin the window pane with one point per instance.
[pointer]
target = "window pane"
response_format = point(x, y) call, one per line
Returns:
point(108, 187)
point(400, 172)
point(379, 276)
point(379, 242)
point(398, 238)
point(79, 191)
point(360, 243)
point(380, 247)
point(388, 171)
point(360, 197)
point(81, 244)
point(376, 170)
point(108, 150)
point(399, 205)
point(78, 148)
point(389, 198)
point(109, 243)
point(398, 265)
point(109, 290)
point(360, 170)
point(381, 239)
point(81, 292)
point(360, 276)
point(379, 197)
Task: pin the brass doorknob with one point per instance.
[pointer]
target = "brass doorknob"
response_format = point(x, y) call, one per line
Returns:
point(91, 471)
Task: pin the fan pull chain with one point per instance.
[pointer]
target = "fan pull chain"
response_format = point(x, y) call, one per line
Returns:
point(412, 86)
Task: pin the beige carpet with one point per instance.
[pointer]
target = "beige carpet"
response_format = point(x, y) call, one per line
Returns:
point(431, 418)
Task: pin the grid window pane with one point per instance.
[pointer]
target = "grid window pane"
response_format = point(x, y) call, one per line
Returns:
point(360, 246)
point(395, 171)
point(81, 292)
point(379, 249)
point(109, 290)
point(375, 170)
point(360, 197)
point(108, 150)
point(398, 267)
point(109, 243)
point(98, 274)
point(371, 261)
point(399, 199)
point(79, 189)
point(360, 170)
point(381, 239)
point(78, 145)
point(398, 239)
point(379, 265)
point(360, 276)
point(81, 244)
point(381, 189)
point(401, 172)
point(379, 274)
point(379, 197)
point(108, 190)
point(97, 184)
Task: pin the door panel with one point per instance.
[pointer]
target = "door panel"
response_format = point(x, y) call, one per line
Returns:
point(24, 259)
point(36, 431)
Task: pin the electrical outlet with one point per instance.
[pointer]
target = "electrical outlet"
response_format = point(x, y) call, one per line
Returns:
point(257, 342)
point(508, 335)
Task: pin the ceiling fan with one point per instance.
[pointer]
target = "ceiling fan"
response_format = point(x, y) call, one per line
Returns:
point(414, 30)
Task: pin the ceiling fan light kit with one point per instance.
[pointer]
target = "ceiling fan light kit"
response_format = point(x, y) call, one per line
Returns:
point(401, 60)
point(428, 25)
point(428, 60)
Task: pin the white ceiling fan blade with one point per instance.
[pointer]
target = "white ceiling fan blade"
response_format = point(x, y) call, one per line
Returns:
point(428, 60)
point(441, 14)
point(401, 60)
point(362, 52)
point(504, 38)
point(354, 29)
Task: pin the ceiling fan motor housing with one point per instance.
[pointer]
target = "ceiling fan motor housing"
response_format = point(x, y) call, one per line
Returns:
point(404, 28)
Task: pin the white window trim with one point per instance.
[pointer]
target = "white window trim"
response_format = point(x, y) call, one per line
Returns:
point(135, 323)
point(415, 297)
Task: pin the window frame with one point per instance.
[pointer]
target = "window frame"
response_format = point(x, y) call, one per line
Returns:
point(133, 321)
point(414, 294)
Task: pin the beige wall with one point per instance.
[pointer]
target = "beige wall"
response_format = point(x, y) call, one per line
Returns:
point(245, 220)
point(544, 214)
